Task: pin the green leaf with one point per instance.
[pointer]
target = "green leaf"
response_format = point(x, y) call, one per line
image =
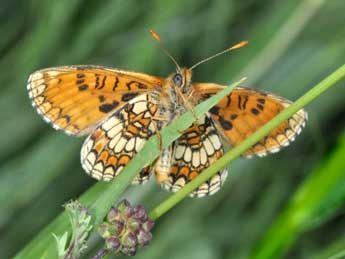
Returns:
point(61, 243)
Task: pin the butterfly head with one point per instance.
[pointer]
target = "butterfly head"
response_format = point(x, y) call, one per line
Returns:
point(181, 79)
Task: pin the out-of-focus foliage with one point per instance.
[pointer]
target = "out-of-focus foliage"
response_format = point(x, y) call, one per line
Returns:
point(293, 44)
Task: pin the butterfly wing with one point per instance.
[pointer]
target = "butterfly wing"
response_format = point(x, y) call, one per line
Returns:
point(114, 142)
point(245, 110)
point(76, 98)
point(196, 149)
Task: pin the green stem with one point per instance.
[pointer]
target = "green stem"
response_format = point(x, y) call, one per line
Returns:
point(247, 143)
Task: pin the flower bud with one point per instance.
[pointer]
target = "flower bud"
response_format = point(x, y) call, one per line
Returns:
point(129, 240)
point(126, 228)
point(144, 237)
point(140, 213)
point(129, 251)
point(125, 209)
point(148, 225)
point(118, 227)
point(113, 215)
point(113, 244)
point(133, 224)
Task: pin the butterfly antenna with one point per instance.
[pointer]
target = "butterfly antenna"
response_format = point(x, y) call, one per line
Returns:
point(158, 39)
point(236, 46)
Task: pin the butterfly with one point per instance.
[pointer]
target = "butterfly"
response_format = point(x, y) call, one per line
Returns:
point(120, 110)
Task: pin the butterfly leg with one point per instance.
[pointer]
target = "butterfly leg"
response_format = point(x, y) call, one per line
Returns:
point(159, 136)
point(190, 108)
point(187, 103)
point(155, 120)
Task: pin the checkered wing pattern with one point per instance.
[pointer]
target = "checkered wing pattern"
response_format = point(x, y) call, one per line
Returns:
point(115, 142)
point(196, 149)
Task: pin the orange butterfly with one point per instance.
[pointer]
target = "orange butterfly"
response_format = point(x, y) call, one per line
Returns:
point(120, 110)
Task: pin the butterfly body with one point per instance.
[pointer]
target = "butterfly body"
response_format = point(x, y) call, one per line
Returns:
point(120, 110)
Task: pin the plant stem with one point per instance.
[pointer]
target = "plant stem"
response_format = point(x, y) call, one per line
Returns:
point(247, 143)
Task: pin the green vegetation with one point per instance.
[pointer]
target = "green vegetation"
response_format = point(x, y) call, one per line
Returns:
point(287, 205)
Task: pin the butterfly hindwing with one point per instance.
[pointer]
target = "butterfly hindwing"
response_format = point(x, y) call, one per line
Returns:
point(115, 142)
point(76, 98)
point(196, 149)
point(245, 110)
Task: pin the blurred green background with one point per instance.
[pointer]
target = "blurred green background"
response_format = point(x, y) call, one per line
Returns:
point(293, 45)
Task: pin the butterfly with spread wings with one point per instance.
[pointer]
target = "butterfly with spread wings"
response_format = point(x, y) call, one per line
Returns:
point(120, 110)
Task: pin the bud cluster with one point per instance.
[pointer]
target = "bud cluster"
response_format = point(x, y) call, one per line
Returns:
point(126, 228)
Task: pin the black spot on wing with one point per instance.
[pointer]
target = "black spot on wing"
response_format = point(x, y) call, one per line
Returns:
point(101, 98)
point(261, 100)
point(227, 125)
point(214, 110)
point(80, 75)
point(260, 106)
point(107, 107)
point(128, 96)
point(83, 87)
point(135, 84)
point(100, 83)
point(255, 111)
point(116, 83)
point(67, 117)
point(233, 116)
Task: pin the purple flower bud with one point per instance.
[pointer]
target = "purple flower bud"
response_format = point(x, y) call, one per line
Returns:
point(125, 209)
point(129, 240)
point(144, 237)
point(129, 251)
point(113, 244)
point(148, 225)
point(140, 213)
point(133, 224)
point(127, 228)
point(118, 227)
point(113, 214)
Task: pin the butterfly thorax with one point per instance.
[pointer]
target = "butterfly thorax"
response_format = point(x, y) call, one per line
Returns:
point(179, 94)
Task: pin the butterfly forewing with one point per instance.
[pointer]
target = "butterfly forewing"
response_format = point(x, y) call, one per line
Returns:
point(76, 98)
point(245, 110)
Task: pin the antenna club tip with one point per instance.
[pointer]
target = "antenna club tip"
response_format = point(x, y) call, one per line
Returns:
point(155, 35)
point(239, 45)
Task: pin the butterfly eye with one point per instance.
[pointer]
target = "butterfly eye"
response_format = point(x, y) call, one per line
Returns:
point(178, 80)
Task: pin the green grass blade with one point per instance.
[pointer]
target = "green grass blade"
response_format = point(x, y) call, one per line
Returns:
point(318, 198)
